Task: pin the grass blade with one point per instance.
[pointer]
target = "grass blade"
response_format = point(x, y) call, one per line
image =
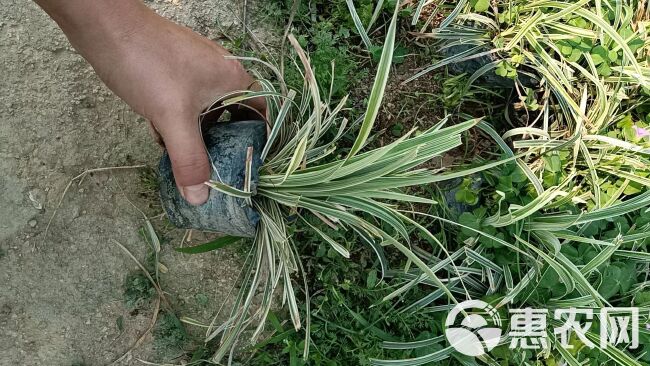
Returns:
point(378, 88)
point(219, 243)
point(358, 24)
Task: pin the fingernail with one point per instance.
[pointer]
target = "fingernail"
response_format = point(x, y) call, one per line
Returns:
point(196, 195)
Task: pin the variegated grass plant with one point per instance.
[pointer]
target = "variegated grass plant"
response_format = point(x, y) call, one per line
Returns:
point(580, 109)
point(591, 58)
point(306, 172)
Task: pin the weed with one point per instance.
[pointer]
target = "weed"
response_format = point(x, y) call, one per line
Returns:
point(138, 290)
point(149, 180)
point(169, 335)
point(331, 59)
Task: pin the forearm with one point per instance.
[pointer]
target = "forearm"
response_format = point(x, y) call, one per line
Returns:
point(92, 19)
point(96, 28)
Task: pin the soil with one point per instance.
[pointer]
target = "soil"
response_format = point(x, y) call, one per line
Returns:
point(415, 105)
point(61, 294)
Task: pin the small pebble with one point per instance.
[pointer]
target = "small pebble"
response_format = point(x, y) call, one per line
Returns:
point(37, 197)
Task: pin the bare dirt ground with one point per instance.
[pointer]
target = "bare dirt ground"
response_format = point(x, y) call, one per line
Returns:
point(61, 295)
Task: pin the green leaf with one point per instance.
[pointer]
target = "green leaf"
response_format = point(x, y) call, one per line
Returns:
point(378, 88)
point(575, 55)
point(585, 45)
point(604, 70)
point(399, 55)
point(642, 298)
point(635, 43)
point(566, 50)
point(553, 163)
point(469, 220)
point(617, 278)
point(613, 56)
point(501, 69)
point(518, 176)
point(600, 54)
point(397, 130)
point(371, 280)
point(466, 196)
point(480, 5)
point(219, 243)
point(375, 52)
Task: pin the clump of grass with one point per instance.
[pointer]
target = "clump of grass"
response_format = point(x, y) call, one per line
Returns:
point(350, 319)
point(309, 174)
point(564, 224)
point(149, 180)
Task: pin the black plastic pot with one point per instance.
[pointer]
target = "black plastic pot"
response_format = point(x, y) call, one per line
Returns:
point(227, 145)
point(451, 187)
point(489, 79)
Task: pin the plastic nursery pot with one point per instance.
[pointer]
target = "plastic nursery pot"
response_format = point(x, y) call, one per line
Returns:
point(489, 78)
point(227, 145)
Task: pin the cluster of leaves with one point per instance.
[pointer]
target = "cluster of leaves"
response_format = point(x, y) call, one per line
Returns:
point(327, 31)
point(324, 29)
point(331, 57)
point(589, 95)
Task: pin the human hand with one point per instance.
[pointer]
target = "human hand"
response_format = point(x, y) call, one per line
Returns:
point(164, 71)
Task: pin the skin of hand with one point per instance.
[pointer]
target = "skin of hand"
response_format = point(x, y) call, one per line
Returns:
point(164, 71)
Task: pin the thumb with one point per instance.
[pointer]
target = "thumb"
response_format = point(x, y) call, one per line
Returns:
point(189, 160)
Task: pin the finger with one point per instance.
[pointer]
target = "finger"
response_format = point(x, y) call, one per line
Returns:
point(189, 159)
